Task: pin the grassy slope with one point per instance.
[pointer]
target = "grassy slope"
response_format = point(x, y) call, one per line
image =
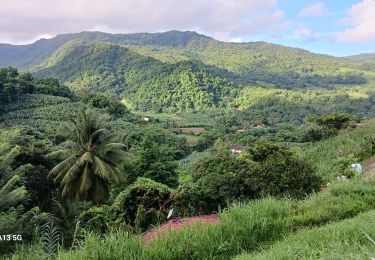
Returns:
point(348, 239)
point(349, 144)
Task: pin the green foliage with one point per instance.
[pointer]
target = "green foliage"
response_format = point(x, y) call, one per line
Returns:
point(13, 85)
point(331, 124)
point(155, 152)
point(11, 196)
point(50, 239)
point(143, 203)
point(97, 219)
point(42, 112)
point(342, 165)
point(348, 239)
point(206, 84)
point(194, 73)
point(272, 106)
point(267, 169)
point(259, 62)
point(146, 83)
point(111, 105)
point(20, 197)
point(281, 171)
point(90, 156)
point(243, 227)
point(154, 163)
point(354, 144)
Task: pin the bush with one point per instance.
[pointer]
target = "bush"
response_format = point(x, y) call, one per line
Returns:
point(279, 171)
point(143, 203)
point(97, 219)
point(267, 169)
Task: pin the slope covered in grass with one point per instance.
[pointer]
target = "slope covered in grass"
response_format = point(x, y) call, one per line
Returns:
point(350, 146)
point(348, 239)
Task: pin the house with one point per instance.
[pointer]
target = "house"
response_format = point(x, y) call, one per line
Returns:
point(146, 119)
point(237, 149)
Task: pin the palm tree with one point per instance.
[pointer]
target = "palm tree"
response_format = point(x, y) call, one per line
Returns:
point(90, 155)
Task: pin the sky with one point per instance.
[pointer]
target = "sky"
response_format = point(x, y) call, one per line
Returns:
point(335, 27)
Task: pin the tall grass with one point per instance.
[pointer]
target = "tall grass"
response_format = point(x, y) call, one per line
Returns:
point(244, 227)
point(348, 239)
point(355, 143)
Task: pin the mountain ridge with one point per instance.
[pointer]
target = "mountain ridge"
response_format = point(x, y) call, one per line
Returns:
point(176, 70)
point(9, 53)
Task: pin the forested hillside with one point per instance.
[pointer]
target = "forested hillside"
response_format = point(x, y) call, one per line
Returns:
point(178, 71)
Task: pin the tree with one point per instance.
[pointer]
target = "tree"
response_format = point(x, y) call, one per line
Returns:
point(333, 123)
point(266, 169)
point(90, 155)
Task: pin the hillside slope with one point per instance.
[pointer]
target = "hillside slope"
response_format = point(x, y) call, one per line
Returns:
point(144, 82)
point(28, 56)
point(251, 62)
point(179, 71)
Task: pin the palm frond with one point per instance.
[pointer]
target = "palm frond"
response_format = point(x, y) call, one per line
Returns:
point(11, 196)
point(62, 167)
point(74, 169)
point(62, 154)
point(104, 170)
point(86, 181)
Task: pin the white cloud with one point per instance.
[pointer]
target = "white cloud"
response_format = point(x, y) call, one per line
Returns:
point(315, 10)
point(362, 23)
point(22, 20)
point(237, 40)
point(302, 31)
point(305, 34)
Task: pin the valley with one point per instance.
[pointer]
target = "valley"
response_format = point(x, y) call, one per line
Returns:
point(102, 136)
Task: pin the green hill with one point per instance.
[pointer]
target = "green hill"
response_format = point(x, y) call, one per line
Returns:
point(28, 56)
point(362, 57)
point(178, 71)
point(145, 83)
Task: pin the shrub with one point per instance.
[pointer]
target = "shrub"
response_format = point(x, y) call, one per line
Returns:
point(279, 171)
point(267, 169)
point(97, 219)
point(143, 203)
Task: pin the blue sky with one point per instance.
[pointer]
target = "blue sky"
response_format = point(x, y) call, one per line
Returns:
point(328, 26)
point(321, 27)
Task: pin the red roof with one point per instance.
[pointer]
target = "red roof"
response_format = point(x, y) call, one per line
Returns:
point(176, 224)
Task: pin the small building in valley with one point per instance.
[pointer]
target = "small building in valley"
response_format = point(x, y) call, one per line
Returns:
point(237, 149)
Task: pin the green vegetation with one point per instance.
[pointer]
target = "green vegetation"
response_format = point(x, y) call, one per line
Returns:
point(266, 220)
point(144, 123)
point(182, 71)
point(349, 239)
point(334, 153)
point(90, 156)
